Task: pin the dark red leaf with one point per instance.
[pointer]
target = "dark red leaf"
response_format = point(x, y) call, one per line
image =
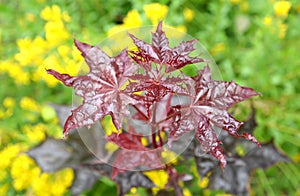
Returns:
point(100, 88)
point(159, 52)
point(210, 101)
point(128, 160)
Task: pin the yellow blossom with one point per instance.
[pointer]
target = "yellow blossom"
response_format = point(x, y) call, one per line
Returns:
point(28, 103)
point(56, 32)
point(187, 192)
point(204, 182)
point(54, 13)
point(267, 20)
point(159, 177)
point(181, 28)
point(24, 172)
point(116, 29)
point(55, 184)
point(63, 50)
point(188, 14)
point(30, 51)
point(132, 19)
point(155, 12)
point(282, 8)
point(76, 54)
point(35, 133)
point(9, 102)
point(8, 154)
point(169, 157)
point(144, 141)
point(14, 71)
point(235, 1)
point(50, 62)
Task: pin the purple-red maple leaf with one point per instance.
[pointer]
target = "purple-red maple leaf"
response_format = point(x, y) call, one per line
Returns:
point(160, 53)
point(133, 154)
point(210, 101)
point(100, 88)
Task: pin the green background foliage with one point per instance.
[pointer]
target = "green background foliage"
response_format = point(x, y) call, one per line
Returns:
point(251, 42)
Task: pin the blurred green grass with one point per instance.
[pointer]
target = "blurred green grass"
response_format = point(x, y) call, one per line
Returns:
point(252, 43)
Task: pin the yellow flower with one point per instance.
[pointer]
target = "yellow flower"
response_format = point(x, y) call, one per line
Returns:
point(187, 192)
point(204, 182)
point(235, 1)
point(24, 172)
point(132, 19)
point(169, 157)
point(116, 29)
point(55, 184)
point(159, 177)
point(8, 154)
point(15, 72)
point(35, 133)
point(155, 12)
point(56, 32)
point(267, 20)
point(181, 28)
point(31, 51)
point(9, 102)
point(63, 51)
point(30, 104)
point(188, 14)
point(282, 8)
point(54, 14)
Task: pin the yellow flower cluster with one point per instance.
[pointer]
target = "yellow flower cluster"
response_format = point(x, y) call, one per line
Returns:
point(35, 134)
point(8, 154)
point(159, 177)
point(27, 175)
point(282, 8)
point(188, 14)
point(54, 185)
point(131, 20)
point(53, 51)
point(24, 172)
point(8, 104)
point(30, 104)
point(55, 28)
point(155, 12)
point(276, 23)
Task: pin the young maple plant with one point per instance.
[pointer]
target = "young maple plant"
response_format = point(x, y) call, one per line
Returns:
point(142, 83)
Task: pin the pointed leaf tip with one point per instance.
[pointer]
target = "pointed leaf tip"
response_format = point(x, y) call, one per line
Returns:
point(65, 78)
point(83, 47)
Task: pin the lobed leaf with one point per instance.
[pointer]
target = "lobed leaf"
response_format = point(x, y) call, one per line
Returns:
point(100, 88)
